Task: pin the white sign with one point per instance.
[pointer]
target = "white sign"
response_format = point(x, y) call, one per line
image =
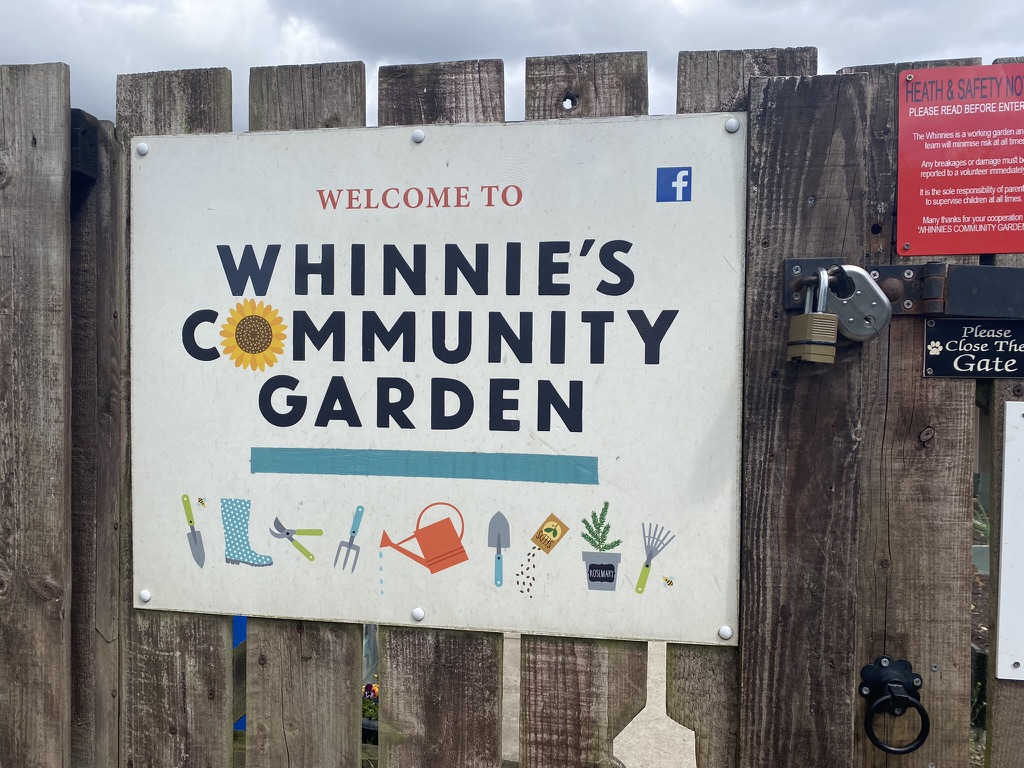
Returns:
point(479, 377)
point(1010, 643)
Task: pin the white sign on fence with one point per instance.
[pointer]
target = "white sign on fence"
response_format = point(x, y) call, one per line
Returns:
point(480, 377)
point(1010, 645)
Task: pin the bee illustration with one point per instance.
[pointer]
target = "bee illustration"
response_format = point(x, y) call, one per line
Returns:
point(667, 580)
point(202, 502)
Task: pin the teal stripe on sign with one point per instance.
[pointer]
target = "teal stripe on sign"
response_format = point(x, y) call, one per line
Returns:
point(514, 467)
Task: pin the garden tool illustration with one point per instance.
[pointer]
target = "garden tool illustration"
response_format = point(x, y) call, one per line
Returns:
point(349, 546)
point(439, 544)
point(280, 532)
point(234, 513)
point(195, 538)
point(654, 542)
point(498, 537)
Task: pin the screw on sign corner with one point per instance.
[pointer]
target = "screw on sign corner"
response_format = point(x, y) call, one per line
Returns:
point(570, 101)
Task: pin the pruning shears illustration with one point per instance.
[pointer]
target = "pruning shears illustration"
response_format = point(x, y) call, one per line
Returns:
point(279, 531)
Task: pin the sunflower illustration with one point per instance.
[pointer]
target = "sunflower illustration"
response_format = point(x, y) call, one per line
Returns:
point(253, 335)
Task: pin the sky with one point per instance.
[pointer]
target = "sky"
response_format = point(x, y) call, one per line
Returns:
point(100, 39)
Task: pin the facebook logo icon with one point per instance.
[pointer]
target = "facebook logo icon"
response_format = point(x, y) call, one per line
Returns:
point(674, 185)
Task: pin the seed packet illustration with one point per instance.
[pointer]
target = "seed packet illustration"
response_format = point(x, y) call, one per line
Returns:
point(551, 532)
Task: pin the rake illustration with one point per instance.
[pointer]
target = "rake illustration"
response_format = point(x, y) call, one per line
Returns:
point(656, 538)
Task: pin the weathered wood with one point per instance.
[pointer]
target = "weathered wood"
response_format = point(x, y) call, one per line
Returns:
point(35, 414)
point(175, 668)
point(915, 501)
point(571, 721)
point(702, 691)
point(440, 692)
point(717, 81)
point(1005, 742)
point(587, 85)
point(449, 92)
point(440, 702)
point(99, 435)
point(315, 669)
point(302, 692)
point(307, 96)
point(806, 171)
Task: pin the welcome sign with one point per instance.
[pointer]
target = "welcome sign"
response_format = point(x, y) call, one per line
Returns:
point(478, 377)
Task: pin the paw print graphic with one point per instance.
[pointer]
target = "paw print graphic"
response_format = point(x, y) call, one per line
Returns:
point(934, 348)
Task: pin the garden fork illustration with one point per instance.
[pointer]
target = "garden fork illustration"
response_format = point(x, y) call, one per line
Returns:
point(350, 546)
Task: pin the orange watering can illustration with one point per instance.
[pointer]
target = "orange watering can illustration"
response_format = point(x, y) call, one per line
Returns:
point(440, 546)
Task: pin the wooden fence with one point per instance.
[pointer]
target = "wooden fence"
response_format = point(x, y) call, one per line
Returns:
point(856, 519)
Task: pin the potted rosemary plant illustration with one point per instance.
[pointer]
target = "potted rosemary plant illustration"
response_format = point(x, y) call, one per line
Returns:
point(602, 564)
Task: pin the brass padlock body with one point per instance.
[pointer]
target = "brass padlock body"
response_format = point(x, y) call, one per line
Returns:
point(812, 335)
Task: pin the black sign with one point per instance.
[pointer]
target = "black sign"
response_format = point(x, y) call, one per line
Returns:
point(974, 348)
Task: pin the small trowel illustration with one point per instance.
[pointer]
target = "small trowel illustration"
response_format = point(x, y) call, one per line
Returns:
point(195, 538)
point(498, 537)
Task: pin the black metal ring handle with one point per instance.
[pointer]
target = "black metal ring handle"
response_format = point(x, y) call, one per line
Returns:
point(876, 707)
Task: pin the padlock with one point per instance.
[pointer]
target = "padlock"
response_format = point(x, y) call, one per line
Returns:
point(863, 310)
point(812, 335)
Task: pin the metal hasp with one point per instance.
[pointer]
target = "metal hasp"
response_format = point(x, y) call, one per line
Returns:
point(956, 290)
point(891, 686)
point(862, 309)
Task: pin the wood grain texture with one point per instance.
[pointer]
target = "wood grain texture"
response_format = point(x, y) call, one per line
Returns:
point(806, 171)
point(448, 92)
point(586, 85)
point(99, 440)
point(303, 696)
point(175, 668)
point(302, 689)
point(307, 96)
point(914, 587)
point(703, 682)
point(440, 692)
point(35, 415)
point(588, 691)
point(703, 691)
point(717, 81)
point(601, 686)
point(440, 702)
point(1005, 738)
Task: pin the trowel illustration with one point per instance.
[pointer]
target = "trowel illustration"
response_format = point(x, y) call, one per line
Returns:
point(440, 546)
point(498, 537)
point(195, 538)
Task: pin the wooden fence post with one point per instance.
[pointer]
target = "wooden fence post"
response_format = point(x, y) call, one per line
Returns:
point(577, 695)
point(440, 701)
point(35, 415)
point(99, 437)
point(702, 683)
point(1005, 703)
point(806, 173)
point(302, 688)
point(176, 668)
point(913, 593)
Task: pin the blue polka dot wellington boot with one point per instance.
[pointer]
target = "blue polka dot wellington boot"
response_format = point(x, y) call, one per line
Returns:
point(234, 513)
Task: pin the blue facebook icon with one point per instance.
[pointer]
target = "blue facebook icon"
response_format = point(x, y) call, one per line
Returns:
point(674, 185)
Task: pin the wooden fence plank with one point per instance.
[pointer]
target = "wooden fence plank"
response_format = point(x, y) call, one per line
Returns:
point(806, 171)
point(440, 700)
point(307, 96)
point(703, 682)
point(99, 435)
point(175, 668)
point(449, 92)
point(577, 695)
point(717, 81)
point(302, 692)
point(35, 413)
point(915, 502)
point(587, 85)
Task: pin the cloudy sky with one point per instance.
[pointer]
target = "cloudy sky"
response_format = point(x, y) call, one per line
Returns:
point(103, 38)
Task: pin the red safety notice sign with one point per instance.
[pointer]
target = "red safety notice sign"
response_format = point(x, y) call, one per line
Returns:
point(961, 160)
